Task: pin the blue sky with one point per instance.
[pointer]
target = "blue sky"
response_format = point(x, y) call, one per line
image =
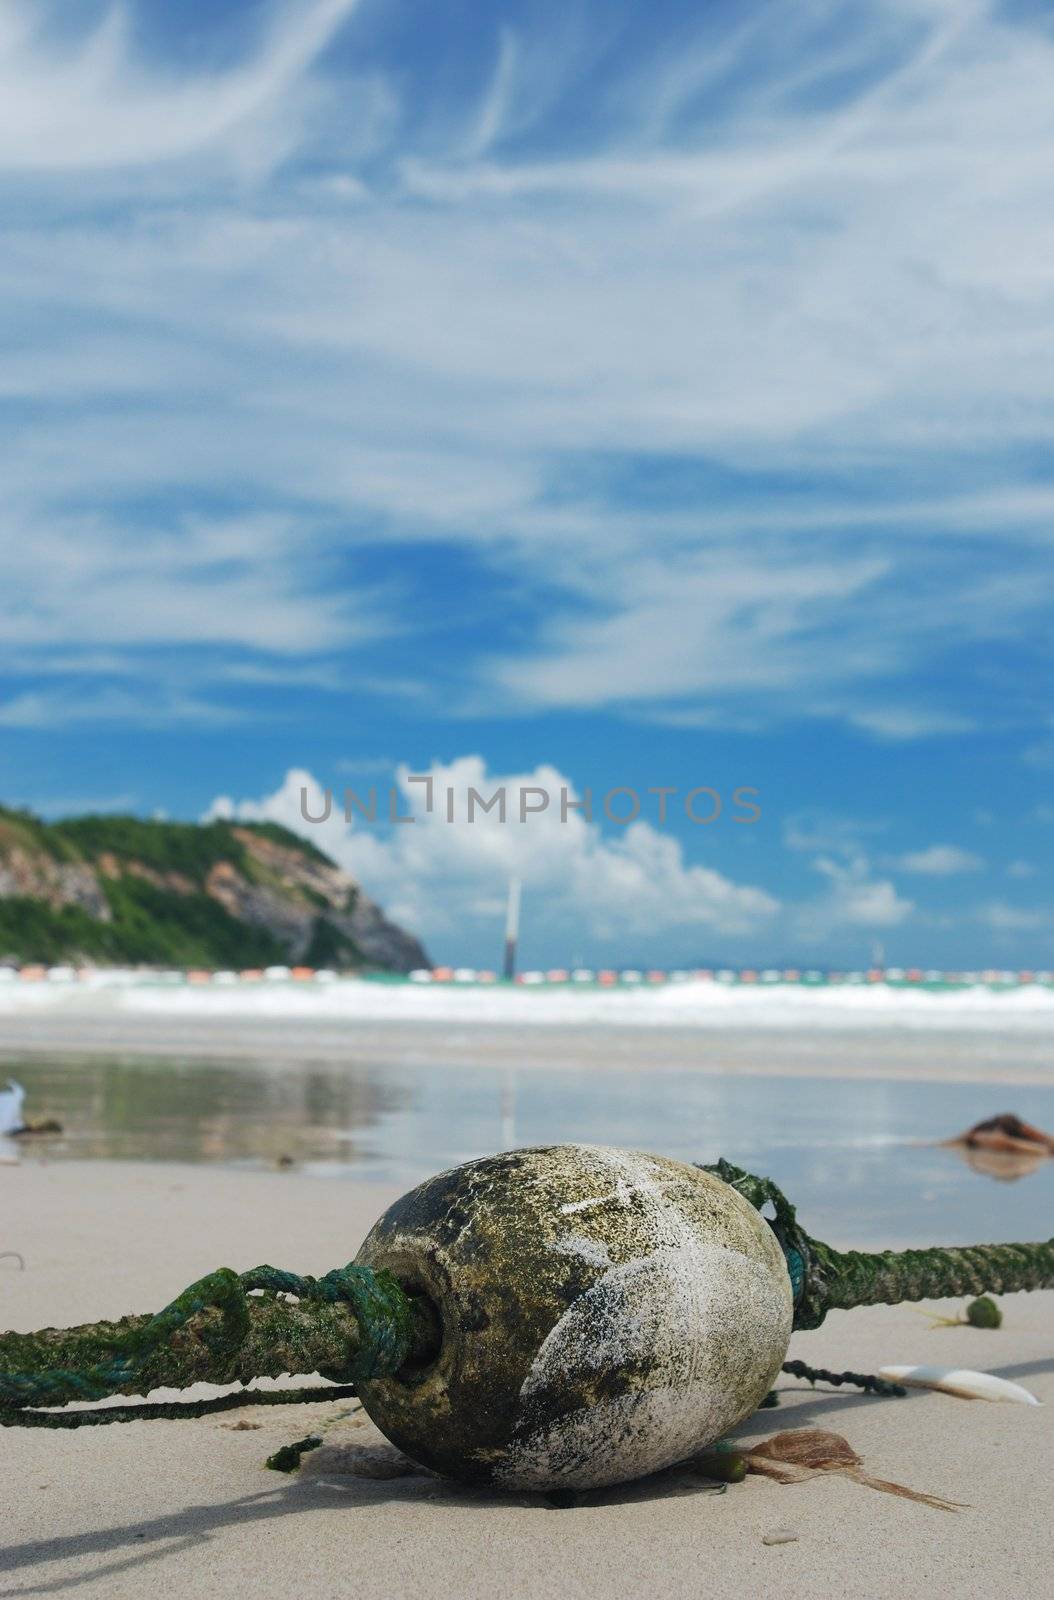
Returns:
point(641, 395)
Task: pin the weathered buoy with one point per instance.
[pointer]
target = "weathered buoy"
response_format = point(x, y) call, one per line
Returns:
point(602, 1314)
point(561, 1318)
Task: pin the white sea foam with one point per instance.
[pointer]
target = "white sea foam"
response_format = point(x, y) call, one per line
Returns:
point(702, 1006)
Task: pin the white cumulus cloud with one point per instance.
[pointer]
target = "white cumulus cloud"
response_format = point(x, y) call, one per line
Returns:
point(939, 861)
point(854, 899)
point(1007, 919)
point(443, 878)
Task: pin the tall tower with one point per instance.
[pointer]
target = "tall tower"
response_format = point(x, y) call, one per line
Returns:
point(512, 929)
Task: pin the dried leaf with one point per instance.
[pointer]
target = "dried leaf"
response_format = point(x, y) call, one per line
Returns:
point(802, 1453)
point(937, 1501)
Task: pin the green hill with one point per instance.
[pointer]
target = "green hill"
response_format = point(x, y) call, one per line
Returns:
point(115, 890)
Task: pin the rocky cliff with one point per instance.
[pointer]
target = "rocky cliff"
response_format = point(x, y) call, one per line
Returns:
point(120, 890)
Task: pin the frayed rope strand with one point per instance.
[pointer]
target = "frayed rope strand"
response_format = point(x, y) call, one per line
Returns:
point(176, 1410)
point(866, 1381)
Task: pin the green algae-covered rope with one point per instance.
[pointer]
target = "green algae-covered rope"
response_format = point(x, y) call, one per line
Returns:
point(824, 1279)
point(856, 1278)
point(351, 1325)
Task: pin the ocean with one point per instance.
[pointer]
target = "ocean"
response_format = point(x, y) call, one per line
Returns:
point(842, 1097)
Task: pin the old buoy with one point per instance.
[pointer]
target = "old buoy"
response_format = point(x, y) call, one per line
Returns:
point(561, 1318)
point(602, 1314)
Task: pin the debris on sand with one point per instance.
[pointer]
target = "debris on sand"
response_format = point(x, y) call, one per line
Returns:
point(725, 1466)
point(1006, 1132)
point(12, 1123)
point(984, 1312)
point(961, 1381)
point(12, 1099)
point(365, 1461)
point(1004, 1146)
point(287, 1459)
point(802, 1453)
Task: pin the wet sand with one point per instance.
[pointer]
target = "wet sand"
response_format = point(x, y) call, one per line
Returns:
point(956, 1052)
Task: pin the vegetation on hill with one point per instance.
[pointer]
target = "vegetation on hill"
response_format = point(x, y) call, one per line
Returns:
point(190, 848)
point(149, 928)
point(120, 889)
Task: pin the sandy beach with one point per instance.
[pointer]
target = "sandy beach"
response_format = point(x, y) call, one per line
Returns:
point(149, 1508)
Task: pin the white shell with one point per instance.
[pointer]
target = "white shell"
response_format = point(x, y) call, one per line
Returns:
point(962, 1381)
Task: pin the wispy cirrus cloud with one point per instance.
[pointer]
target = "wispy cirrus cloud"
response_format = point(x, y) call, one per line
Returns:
point(55, 709)
point(715, 623)
point(257, 582)
point(90, 101)
point(907, 722)
point(716, 343)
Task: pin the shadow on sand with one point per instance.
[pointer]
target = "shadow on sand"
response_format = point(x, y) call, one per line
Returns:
point(137, 1544)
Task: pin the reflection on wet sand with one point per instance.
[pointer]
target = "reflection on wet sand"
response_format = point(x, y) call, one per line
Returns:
point(858, 1147)
point(204, 1111)
point(1006, 1165)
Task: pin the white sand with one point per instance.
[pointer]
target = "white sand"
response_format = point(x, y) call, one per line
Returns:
point(189, 1509)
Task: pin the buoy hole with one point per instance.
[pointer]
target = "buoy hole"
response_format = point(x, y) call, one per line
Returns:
point(428, 1334)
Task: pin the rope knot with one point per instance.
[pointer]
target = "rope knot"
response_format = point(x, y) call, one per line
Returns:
point(383, 1316)
point(801, 1253)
